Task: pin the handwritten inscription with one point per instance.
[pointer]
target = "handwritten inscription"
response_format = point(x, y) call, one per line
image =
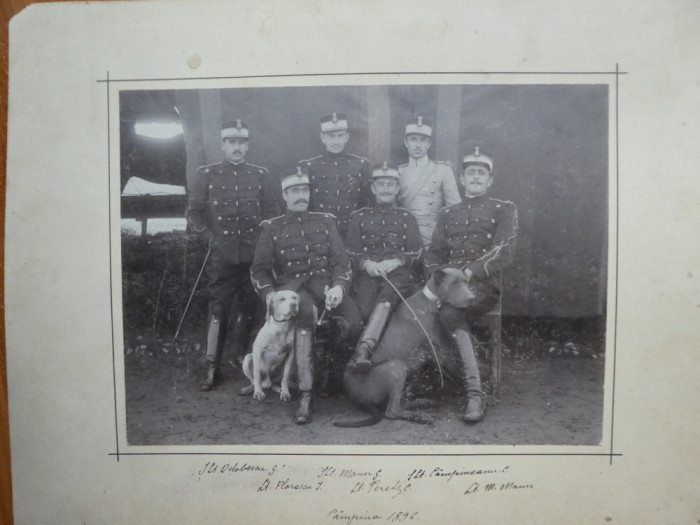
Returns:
point(348, 518)
point(447, 475)
point(475, 487)
point(369, 485)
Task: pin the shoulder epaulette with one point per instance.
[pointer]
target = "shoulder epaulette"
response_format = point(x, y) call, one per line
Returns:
point(510, 203)
point(403, 210)
point(261, 168)
point(268, 222)
point(445, 162)
point(324, 214)
point(363, 159)
point(207, 167)
point(308, 161)
point(361, 210)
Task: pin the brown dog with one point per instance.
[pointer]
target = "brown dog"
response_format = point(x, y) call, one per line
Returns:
point(273, 346)
point(404, 349)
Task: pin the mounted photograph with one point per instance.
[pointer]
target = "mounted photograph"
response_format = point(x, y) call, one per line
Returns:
point(365, 264)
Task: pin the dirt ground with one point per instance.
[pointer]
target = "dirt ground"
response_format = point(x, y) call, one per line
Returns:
point(553, 396)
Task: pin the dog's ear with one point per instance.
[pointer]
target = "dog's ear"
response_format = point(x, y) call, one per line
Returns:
point(268, 302)
point(439, 277)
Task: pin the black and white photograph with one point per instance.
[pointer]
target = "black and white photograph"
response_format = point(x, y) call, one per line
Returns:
point(346, 263)
point(410, 264)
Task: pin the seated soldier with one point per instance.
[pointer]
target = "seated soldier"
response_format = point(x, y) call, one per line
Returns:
point(476, 236)
point(302, 251)
point(384, 243)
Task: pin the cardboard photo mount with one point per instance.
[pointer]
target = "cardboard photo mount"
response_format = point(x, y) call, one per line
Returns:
point(62, 231)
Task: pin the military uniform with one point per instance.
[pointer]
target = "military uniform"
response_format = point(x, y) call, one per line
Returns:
point(478, 235)
point(225, 206)
point(380, 233)
point(303, 252)
point(300, 249)
point(339, 181)
point(378, 236)
point(426, 188)
point(426, 185)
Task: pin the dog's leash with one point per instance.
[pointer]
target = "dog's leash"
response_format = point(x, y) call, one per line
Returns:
point(415, 316)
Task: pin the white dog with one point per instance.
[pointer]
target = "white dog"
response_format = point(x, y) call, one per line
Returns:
point(273, 346)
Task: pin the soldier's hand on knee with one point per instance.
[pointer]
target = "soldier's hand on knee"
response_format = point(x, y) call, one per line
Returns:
point(372, 268)
point(390, 265)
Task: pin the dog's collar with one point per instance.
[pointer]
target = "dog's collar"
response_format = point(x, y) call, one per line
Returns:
point(430, 295)
point(277, 320)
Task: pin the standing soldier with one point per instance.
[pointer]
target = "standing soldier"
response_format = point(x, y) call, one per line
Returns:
point(476, 236)
point(426, 185)
point(226, 203)
point(303, 252)
point(340, 181)
point(384, 243)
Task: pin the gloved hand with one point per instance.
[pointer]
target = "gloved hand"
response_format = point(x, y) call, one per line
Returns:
point(334, 296)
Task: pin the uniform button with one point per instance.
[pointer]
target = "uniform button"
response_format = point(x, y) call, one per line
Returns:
point(427, 223)
point(216, 202)
point(225, 232)
point(430, 202)
point(289, 263)
point(207, 171)
point(211, 186)
point(281, 252)
point(364, 249)
point(219, 218)
point(488, 235)
point(493, 221)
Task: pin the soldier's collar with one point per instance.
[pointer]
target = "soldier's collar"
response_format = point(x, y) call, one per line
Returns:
point(421, 162)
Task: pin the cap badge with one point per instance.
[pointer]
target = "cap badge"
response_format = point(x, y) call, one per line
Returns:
point(238, 123)
point(334, 118)
point(299, 172)
point(385, 166)
point(476, 151)
point(420, 121)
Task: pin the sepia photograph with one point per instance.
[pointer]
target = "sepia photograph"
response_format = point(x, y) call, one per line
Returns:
point(410, 264)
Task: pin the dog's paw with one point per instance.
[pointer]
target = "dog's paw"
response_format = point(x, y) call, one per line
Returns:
point(285, 395)
point(259, 396)
point(246, 390)
point(422, 418)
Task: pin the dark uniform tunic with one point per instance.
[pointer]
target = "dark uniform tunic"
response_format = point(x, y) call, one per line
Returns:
point(339, 185)
point(381, 233)
point(303, 252)
point(226, 204)
point(479, 234)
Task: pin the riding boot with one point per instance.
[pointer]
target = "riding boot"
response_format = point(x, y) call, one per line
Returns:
point(214, 344)
point(472, 380)
point(360, 360)
point(240, 335)
point(303, 415)
point(303, 351)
